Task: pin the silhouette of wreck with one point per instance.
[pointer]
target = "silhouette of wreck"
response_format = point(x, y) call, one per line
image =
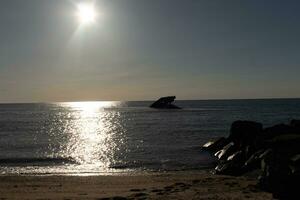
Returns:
point(165, 103)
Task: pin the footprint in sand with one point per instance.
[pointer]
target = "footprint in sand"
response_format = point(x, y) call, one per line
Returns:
point(141, 194)
point(196, 181)
point(137, 190)
point(183, 186)
point(231, 184)
point(168, 188)
point(114, 198)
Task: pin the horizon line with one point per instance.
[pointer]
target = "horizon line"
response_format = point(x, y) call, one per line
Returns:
point(212, 99)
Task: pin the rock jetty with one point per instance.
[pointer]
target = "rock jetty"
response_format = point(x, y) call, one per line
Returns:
point(274, 152)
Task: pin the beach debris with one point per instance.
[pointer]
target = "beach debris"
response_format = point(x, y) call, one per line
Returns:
point(275, 151)
point(165, 103)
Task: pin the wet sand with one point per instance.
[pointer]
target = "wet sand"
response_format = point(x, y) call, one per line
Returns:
point(168, 185)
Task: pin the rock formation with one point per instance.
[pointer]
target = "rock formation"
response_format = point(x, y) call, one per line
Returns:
point(274, 151)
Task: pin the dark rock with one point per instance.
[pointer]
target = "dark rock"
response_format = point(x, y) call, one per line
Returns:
point(285, 145)
point(295, 164)
point(296, 124)
point(296, 159)
point(244, 132)
point(214, 146)
point(238, 156)
point(165, 103)
point(232, 166)
point(254, 161)
point(280, 166)
point(228, 150)
point(265, 154)
point(250, 150)
point(225, 168)
point(278, 177)
point(279, 129)
point(275, 150)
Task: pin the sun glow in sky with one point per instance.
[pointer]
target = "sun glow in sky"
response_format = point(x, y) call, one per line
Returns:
point(90, 50)
point(86, 13)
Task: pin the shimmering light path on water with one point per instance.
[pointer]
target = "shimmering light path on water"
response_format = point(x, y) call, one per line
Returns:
point(108, 137)
point(93, 135)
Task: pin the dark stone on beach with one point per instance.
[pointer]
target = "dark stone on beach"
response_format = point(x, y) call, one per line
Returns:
point(238, 157)
point(165, 103)
point(228, 150)
point(214, 146)
point(231, 168)
point(277, 130)
point(295, 164)
point(274, 150)
point(295, 123)
point(225, 168)
point(280, 166)
point(243, 133)
point(278, 177)
point(233, 165)
point(254, 161)
point(286, 145)
point(296, 160)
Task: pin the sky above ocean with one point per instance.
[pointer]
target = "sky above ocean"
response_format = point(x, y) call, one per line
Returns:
point(142, 49)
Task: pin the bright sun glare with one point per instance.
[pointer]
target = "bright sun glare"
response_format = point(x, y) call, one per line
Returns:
point(86, 13)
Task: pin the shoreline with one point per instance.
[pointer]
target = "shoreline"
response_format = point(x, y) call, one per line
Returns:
point(127, 172)
point(198, 184)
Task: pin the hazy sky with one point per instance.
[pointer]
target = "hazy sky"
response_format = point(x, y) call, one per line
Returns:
point(143, 49)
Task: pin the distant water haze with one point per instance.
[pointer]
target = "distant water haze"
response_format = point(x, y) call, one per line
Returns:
point(113, 137)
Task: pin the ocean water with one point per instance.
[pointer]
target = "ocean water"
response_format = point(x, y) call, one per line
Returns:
point(116, 137)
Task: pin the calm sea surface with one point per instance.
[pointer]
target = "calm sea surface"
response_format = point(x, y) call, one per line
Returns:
point(111, 137)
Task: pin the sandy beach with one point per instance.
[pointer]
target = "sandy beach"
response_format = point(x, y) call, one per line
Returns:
point(165, 185)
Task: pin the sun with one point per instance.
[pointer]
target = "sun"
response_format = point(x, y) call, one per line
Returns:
point(86, 13)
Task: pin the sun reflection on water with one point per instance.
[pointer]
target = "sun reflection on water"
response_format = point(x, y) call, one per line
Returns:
point(93, 135)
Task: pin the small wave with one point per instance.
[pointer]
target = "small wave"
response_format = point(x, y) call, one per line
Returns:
point(37, 161)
